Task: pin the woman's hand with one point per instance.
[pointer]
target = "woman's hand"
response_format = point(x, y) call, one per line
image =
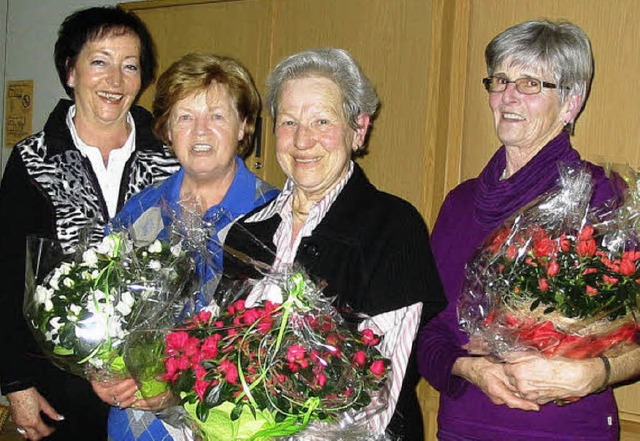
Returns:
point(157, 402)
point(118, 393)
point(26, 406)
point(543, 380)
point(491, 378)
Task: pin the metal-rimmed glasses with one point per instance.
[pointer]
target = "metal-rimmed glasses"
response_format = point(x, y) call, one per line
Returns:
point(525, 85)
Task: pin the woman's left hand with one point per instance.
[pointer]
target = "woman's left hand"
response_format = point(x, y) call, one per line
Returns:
point(543, 380)
point(118, 393)
point(157, 402)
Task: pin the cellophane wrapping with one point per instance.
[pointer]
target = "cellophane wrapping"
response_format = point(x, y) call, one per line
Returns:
point(559, 276)
point(82, 307)
point(294, 369)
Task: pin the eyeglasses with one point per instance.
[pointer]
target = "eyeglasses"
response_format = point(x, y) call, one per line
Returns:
point(526, 86)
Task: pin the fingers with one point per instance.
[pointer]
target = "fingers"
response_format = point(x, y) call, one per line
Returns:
point(117, 393)
point(26, 406)
point(156, 402)
point(48, 410)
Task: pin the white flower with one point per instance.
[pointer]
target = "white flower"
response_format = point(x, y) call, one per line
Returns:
point(176, 249)
point(90, 258)
point(43, 296)
point(55, 324)
point(109, 245)
point(115, 329)
point(68, 282)
point(65, 268)
point(125, 304)
point(155, 265)
point(155, 247)
point(50, 337)
point(95, 274)
point(123, 308)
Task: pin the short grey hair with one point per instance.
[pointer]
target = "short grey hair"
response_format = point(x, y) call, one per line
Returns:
point(561, 48)
point(358, 95)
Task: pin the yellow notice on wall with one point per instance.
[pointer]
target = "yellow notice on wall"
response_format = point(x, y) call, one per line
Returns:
point(18, 113)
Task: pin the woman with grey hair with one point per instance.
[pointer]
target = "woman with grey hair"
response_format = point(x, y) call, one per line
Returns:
point(370, 249)
point(539, 73)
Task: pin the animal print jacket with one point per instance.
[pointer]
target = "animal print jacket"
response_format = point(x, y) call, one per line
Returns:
point(50, 190)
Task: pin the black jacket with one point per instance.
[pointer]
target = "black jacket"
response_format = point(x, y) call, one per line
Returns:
point(50, 190)
point(372, 249)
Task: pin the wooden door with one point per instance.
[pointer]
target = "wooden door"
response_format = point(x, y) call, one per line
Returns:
point(239, 29)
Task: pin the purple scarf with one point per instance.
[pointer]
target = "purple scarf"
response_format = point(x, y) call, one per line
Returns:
point(497, 199)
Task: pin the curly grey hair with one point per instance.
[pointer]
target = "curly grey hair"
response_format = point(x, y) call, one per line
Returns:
point(358, 95)
point(560, 48)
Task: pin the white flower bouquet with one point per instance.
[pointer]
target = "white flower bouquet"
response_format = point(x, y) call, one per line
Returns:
point(81, 308)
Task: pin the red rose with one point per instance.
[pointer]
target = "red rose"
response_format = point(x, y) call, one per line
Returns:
point(369, 338)
point(553, 269)
point(543, 284)
point(586, 233)
point(586, 247)
point(627, 267)
point(359, 358)
point(377, 367)
point(591, 291)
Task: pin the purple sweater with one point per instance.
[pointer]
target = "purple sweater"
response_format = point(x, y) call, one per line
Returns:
point(469, 213)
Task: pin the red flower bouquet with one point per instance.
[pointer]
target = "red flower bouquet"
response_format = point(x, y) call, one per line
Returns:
point(267, 371)
point(557, 277)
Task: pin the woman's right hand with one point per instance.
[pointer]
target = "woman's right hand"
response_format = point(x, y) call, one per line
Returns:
point(26, 406)
point(118, 393)
point(491, 378)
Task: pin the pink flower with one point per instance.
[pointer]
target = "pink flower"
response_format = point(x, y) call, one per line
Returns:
point(235, 307)
point(296, 353)
point(176, 341)
point(210, 346)
point(553, 269)
point(377, 367)
point(543, 284)
point(359, 358)
point(202, 317)
point(251, 315)
point(591, 291)
point(230, 371)
point(200, 388)
point(320, 380)
point(265, 324)
point(369, 338)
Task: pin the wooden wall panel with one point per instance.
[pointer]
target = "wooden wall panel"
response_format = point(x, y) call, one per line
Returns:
point(240, 29)
point(607, 130)
point(391, 41)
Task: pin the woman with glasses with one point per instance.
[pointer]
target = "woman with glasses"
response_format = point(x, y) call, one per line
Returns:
point(539, 73)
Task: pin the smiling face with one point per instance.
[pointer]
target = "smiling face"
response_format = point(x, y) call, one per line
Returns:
point(313, 138)
point(204, 130)
point(528, 122)
point(106, 79)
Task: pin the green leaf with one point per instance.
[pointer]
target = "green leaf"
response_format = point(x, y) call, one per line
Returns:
point(237, 411)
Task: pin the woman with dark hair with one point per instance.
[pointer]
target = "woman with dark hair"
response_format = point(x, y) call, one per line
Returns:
point(95, 152)
point(539, 74)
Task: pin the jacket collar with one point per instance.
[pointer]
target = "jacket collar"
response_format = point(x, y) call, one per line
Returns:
point(58, 138)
